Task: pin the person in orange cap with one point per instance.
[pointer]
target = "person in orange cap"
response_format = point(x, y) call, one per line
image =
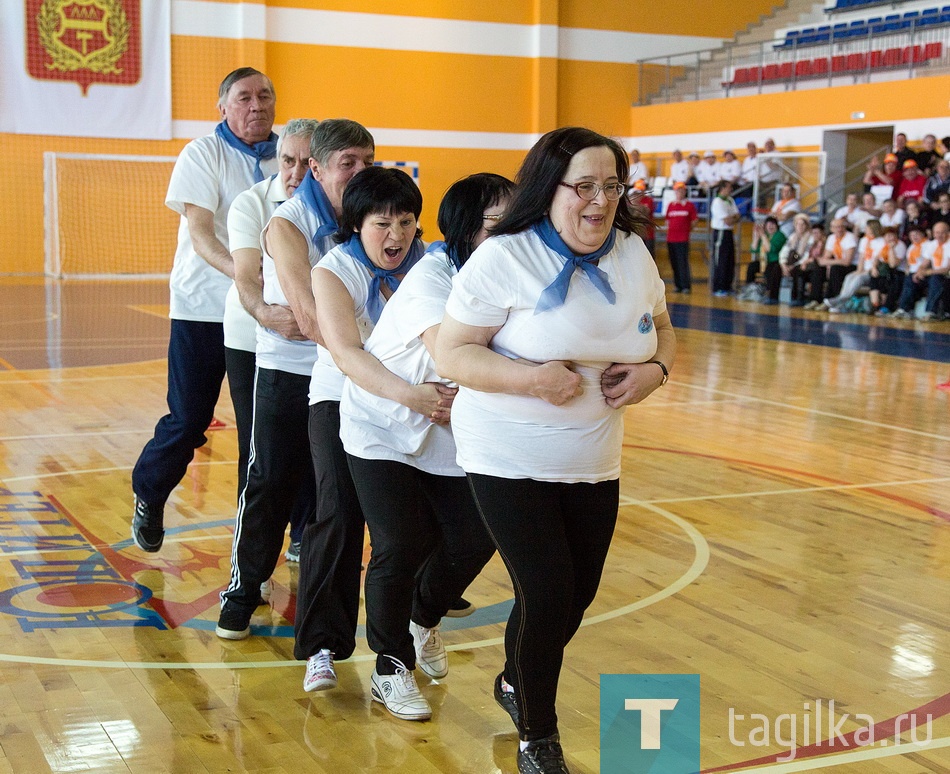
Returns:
point(680, 216)
point(911, 188)
point(888, 174)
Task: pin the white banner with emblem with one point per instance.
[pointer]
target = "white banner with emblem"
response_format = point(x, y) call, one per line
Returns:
point(86, 68)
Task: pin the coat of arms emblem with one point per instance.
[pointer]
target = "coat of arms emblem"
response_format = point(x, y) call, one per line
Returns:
point(86, 41)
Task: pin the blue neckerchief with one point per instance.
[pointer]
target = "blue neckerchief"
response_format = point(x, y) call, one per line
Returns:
point(266, 149)
point(374, 304)
point(441, 247)
point(555, 293)
point(315, 199)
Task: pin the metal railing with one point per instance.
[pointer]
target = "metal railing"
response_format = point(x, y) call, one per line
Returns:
point(711, 73)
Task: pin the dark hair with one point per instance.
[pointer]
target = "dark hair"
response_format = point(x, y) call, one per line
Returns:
point(771, 219)
point(945, 141)
point(335, 134)
point(544, 168)
point(377, 190)
point(238, 75)
point(460, 213)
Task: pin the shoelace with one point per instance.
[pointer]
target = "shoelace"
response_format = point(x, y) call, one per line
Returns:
point(406, 678)
point(322, 663)
point(547, 750)
point(432, 640)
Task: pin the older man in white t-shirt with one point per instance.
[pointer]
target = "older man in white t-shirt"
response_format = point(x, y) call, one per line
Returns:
point(210, 172)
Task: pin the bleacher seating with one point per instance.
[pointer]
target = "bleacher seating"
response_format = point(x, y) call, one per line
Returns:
point(837, 65)
point(843, 6)
point(861, 28)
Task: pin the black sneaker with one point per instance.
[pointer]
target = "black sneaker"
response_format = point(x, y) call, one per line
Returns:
point(543, 756)
point(233, 623)
point(293, 551)
point(148, 532)
point(460, 608)
point(506, 700)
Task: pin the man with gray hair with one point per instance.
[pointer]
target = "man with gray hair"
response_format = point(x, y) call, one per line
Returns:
point(295, 239)
point(245, 308)
point(210, 172)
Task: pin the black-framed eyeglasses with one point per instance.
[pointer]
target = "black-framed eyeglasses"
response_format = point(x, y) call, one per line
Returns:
point(588, 191)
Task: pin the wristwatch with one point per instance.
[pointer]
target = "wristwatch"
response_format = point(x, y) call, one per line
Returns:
point(666, 373)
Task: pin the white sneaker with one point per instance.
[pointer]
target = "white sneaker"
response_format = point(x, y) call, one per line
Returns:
point(320, 676)
point(399, 694)
point(430, 650)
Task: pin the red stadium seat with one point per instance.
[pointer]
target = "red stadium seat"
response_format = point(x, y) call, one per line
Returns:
point(877, 59)
point(770, 72)
point(839, 64)
point(785, 71)
point(857, 61)
point(820, 66)
point(892, 57)
point(803, 69)
point(933, 50)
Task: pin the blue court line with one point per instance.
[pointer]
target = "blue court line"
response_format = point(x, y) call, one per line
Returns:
point(918, 343)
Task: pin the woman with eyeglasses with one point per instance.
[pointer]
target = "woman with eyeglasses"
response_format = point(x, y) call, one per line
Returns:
point(553, 327)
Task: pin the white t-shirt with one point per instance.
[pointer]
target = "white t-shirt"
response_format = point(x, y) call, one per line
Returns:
point(638, 171)
point(750, 165)
point(247, 217)
point(518, 436)
point(707, 174)
point(209, 173)
point(326, 379)
point(847, 242)
point(937, 254)
point(893, 221)
point(273, 350)
point(861, 218)
point(848, 215)
point(730, 170)
point(679, 172)
point(376, 428)
point(868, 251)
point(719, 210)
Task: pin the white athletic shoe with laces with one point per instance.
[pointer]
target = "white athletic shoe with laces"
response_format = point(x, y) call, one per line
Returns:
point(430, 650)
point(320, 676)
point(399, 693)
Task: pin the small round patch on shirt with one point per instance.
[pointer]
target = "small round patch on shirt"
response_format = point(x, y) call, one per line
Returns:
point(646, 323)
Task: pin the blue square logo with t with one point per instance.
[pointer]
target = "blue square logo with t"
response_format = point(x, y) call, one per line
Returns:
point(649, 723)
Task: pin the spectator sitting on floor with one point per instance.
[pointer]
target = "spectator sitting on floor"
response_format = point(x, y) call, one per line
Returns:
point(892, 216)
point(707, 172)
point(915, 285)
point(894, 257)
point(935, 267)
point(938, 183)
point(838, 257)
point(814, 270)
point(767, 243)
point(869, 250)
point(794, 255)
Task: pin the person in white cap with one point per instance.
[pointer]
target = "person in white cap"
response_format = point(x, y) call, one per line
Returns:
point(707, 173)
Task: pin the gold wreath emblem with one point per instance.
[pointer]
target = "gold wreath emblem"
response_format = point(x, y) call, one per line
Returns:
point(52, 24)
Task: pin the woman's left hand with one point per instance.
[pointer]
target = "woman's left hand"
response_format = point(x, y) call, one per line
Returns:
point(624, 384)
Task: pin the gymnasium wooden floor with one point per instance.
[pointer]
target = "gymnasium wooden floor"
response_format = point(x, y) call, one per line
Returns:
point(784, 533)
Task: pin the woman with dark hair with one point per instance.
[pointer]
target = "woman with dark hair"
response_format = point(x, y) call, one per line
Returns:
point(428, 541)
point(767, 243)
point(378, 241)
point(556, 324)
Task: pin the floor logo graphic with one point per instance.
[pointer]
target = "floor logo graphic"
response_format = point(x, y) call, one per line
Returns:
point(649, 723)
